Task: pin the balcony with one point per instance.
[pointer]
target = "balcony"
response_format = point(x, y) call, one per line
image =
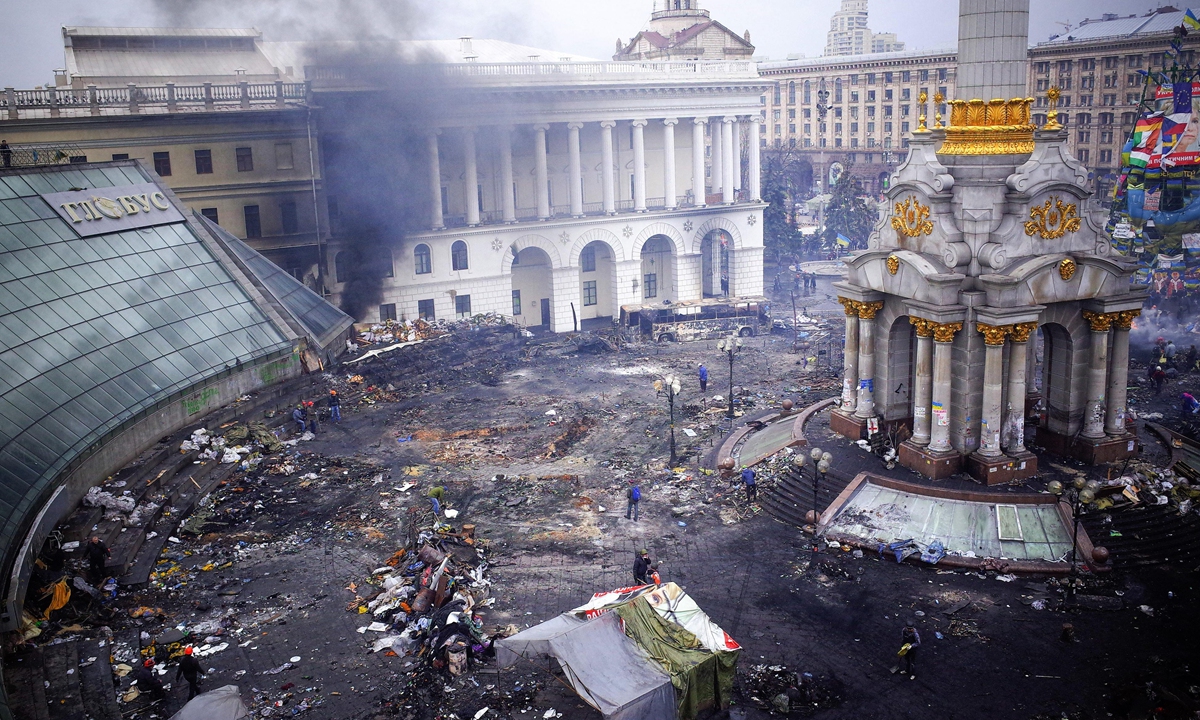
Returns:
point(148, 99)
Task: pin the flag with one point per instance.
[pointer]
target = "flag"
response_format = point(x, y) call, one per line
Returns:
point(843, 241)
point(1147, 139)
point(1189, 20)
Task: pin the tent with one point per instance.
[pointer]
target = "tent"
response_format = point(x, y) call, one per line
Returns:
point(224, 703)
point(645, 653)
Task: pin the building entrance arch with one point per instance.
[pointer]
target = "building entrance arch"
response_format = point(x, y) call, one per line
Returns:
point(658, 270)
point(714, 263)
point(597, 281)
point(1056, 375)
point(532, 286)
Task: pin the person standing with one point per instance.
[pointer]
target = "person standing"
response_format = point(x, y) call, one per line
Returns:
point(633, 497)
point(310, 411)
point(910, 640)
point(641, 568)
point(335, 407)
point(190, 670)
point(97, 556)
point(5, 153)
point(1158, 377)
point(703, 378)
point(750, 478)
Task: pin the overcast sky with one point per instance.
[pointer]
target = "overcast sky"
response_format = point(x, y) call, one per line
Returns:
point(32, 45)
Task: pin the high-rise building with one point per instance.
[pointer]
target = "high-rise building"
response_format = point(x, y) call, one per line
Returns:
point(849, 34)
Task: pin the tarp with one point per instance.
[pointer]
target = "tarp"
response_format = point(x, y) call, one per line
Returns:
point(672, 603)
point(224, 703)
point(604, 666)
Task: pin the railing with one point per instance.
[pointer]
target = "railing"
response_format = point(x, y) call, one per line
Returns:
point(557, 71)
point(559, 212)
point(133, 98)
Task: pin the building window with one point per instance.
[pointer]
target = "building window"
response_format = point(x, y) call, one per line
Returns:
point(887, 77)
point(887, 126)
point(589, 292)
point(650, 285)
point(386, 270)
point(837, 89)
point(870, 78)
point(924, 76)
point(887, 95)
point(204, 162)
point(162, 164)
point(340, 271)
point(387, 312)
point(905, 94)
point(777, 102)
point(287, 216)
point(462, 306)
point(422, 259)
point(1084, 137)
point(870, 127)
point(1083, 155)
point(253, 226)
point(870, 96)
point(906, 76)
point(1106, 136)
point(120, 156)
point(458, 256)
point(211, 214)
point(425, 309)
point(941, 74)
point(904, 126)
point(854, 128)
point(853, 96)
point(1106, 156)
point(807, 91)
point(1041, 68)
point(77, 159)
point(245, 159)
point(516, 300)
point(792, 93)
point(283, 156)
point(587, 259)
point(1133, 61)
point(1087, 64)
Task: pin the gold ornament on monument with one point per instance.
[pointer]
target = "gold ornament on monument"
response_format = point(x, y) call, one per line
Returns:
point(893, 264)
point(1066, 269)
point(922, 98)
point(937, 114)
point(1052, 116)
point(867, 310)
point(1021, 331)
point(911, 219)
point(1052, 219)
point(944, 332)
point(998, 127)
point(993, 334)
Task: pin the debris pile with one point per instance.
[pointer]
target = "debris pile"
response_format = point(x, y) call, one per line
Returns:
point(776, 688)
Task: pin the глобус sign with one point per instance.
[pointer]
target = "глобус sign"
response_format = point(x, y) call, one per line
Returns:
point(112, 209)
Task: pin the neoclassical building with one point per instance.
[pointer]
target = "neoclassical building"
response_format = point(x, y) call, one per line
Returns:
point(556, 192)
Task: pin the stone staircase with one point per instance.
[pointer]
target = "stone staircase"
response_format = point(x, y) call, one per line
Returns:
point(48, 683)
point(792, 495)
point(1149, 535)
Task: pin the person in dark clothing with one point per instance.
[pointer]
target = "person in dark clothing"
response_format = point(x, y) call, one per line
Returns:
point(335, 407)
point(750, 478)
point(310, 411)
point(97, 556)
point(633, 496)
point(148, 682)
point(703, 378)
point(5, 153)
point(300, 418)
point(1158, 377)
point(190, 670)
point(910, 639)
point(641, 568)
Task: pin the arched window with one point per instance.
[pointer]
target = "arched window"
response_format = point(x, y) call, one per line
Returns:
point(807, 92)
point(777, 101)
point(458, 255)
point(837, 90)
point(422, 260)
point(792, 92)
point(340, 272)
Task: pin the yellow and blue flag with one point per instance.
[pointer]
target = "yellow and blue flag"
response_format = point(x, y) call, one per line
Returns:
point(1190, 20)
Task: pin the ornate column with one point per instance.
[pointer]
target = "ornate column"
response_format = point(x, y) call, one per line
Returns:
point(471, 176)
point(866, 352)
point(435, 181)
point(576, 182)
point(543, 180)
point(639, 166)
point(1014, 425)
point(1093, 417)
point(737, 155)
point(1118, 381)
point(993, 388)
point(606, 166)
point(698, 184)
point(755, 179)
point(507, 197)
point(716, 156)
point(943, 344)
point(850, 356)
point(727, 196)
point(922, 380)
point(669, 161)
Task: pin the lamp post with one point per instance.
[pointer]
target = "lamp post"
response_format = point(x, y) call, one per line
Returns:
point(822, 109)
point(820, 466)
point(729, 346)
point(1079, 494)
point(669, 387)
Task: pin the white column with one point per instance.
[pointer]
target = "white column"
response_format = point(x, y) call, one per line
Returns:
point(1093, 419)
point(943, 347)
point(639, 166)
point(993, 388)
point(737, 155)
point(755, 159)
point(727, 196)
point(435, 182)
point(698, 184)
point(1018, 353)
point(606, 166)
point(715, 156)
point(543, 188)
point(922, 380)
point(1118, 382)
point(850, 356)
point(669, 161)
point(866, 349)
point(576, 168)
point(471, 177)
point(506, 175)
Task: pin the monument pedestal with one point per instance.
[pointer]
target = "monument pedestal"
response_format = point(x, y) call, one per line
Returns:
point(931, 464)
point(845, 423)
point(1002, 469)
point(1088, 450)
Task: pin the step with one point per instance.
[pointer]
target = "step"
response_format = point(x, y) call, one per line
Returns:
point(60, 668)
point(96, 683)
point(25, 686)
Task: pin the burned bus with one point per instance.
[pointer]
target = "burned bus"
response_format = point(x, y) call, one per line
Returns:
point(705, 319)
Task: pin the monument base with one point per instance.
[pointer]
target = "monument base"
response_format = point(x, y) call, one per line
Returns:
point(931, 464)
point(1088, 450)
point(1003, 469)
point(845, 423)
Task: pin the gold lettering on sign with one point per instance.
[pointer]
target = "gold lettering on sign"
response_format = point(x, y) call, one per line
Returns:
point(130, 206)
point(1052, 219)
point(159, 200)
point(911, 219)
point(70, 210)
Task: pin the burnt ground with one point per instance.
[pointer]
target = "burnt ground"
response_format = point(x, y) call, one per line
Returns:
point(546, 491)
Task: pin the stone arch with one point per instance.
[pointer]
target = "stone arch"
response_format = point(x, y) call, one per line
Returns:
point(1041, 282)
point(717, 223)
point(895, 353)
point(658, 228)
point(528, 241)
point(596, 235)
point(1066, 343)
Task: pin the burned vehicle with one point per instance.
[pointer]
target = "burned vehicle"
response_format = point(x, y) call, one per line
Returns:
point(705, 319)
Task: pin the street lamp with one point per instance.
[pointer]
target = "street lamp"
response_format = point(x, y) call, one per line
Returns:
point(669, 386)
point(1079, 494)
point(822, 109)
point(729, 346)
point(820, 466)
